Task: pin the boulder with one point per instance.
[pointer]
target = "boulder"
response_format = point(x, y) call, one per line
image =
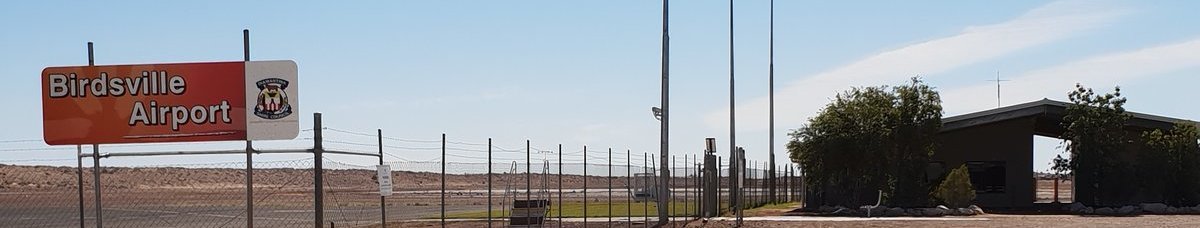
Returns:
point(843, 211)
point(894, 212)
point(1195, 210)
point(932, 212)
point(1128, 210)
point(1076, 207)
point(914, 212)
point(976, 209)
point(873, 211)
point(1154, 208)
point(826, 209)
point(1087, 210)
point(963, 212)
point(1172, 210)
point(1105, 211)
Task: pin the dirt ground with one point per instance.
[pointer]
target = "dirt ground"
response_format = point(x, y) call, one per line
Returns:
point(992, 221)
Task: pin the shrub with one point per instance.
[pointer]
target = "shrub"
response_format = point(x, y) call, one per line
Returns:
point(956, 191)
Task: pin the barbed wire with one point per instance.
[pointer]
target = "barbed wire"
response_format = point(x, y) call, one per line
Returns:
point(20, 140)
point(36, 160)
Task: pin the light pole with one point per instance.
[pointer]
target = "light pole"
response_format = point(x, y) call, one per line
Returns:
point(662, 115)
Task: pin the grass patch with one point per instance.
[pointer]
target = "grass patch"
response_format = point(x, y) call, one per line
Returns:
point(771, 209)
point(594, 209)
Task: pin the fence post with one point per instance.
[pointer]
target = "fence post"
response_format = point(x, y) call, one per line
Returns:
point(646, 202)
point(560, 199)
point(249, 147)
point(79, 177)
point(670, 186)
point(528, 176)
point(96, 179)
point(699, 170)
point(318, 173)
point(489, 183)
point(660, 198)
point(628, 190)
point(610, 214)
point(382, 198)
point(585, 185)
point(249, 184)
point(443, 187)
point(688, 181)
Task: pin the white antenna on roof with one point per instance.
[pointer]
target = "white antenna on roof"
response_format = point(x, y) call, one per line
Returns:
point(998, 80)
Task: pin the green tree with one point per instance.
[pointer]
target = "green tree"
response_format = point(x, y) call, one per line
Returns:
point(918, 117)
point(870, 139)
point(1171, 163)
point(1095, 139)
point(956, 190)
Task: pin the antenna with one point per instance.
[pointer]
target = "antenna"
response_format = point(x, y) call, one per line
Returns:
point(998, 80)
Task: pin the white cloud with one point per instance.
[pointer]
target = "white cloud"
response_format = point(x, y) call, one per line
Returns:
point(1100, 72)
point(804, 97)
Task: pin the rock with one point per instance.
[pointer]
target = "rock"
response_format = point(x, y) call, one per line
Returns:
point(913, 212)
point(1154, 208)
point(894, 212)
point(826, 209)
point(936, 212)
point(1128, 210)
point(1087, 210)
point(843, 211)
point(873, 211)
point(976, 209)
point(1076, 207)
point(963, 212)
point(1105, 211)
point(1195, 210)
point(1172, 210)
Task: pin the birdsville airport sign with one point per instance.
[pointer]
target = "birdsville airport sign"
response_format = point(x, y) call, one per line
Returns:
point(175, 102)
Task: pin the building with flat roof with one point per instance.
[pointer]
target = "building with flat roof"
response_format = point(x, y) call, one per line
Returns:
point(997, 147)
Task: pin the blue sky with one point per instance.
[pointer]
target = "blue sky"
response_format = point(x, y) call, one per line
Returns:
point(586, 72)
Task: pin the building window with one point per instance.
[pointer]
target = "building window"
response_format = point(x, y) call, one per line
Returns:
point(987, 176)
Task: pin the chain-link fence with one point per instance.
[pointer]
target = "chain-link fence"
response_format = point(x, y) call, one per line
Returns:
point(453, 179)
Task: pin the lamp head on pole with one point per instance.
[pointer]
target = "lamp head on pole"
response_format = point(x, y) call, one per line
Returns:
point(658, 113)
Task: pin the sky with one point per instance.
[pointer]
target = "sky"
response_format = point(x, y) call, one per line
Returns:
point(581, 73)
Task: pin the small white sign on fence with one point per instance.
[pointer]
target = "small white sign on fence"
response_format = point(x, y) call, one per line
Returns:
point(385, 179)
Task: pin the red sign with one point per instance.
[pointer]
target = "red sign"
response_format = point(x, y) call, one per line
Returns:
point(176, 102)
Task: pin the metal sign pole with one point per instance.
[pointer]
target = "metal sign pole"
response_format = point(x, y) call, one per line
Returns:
point(318, 174)
point(249, 147)
point(96, 157)
point(610, 215)
point(96, 182)
point(79, 176)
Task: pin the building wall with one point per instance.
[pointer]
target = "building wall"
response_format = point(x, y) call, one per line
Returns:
point(1009, 141)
